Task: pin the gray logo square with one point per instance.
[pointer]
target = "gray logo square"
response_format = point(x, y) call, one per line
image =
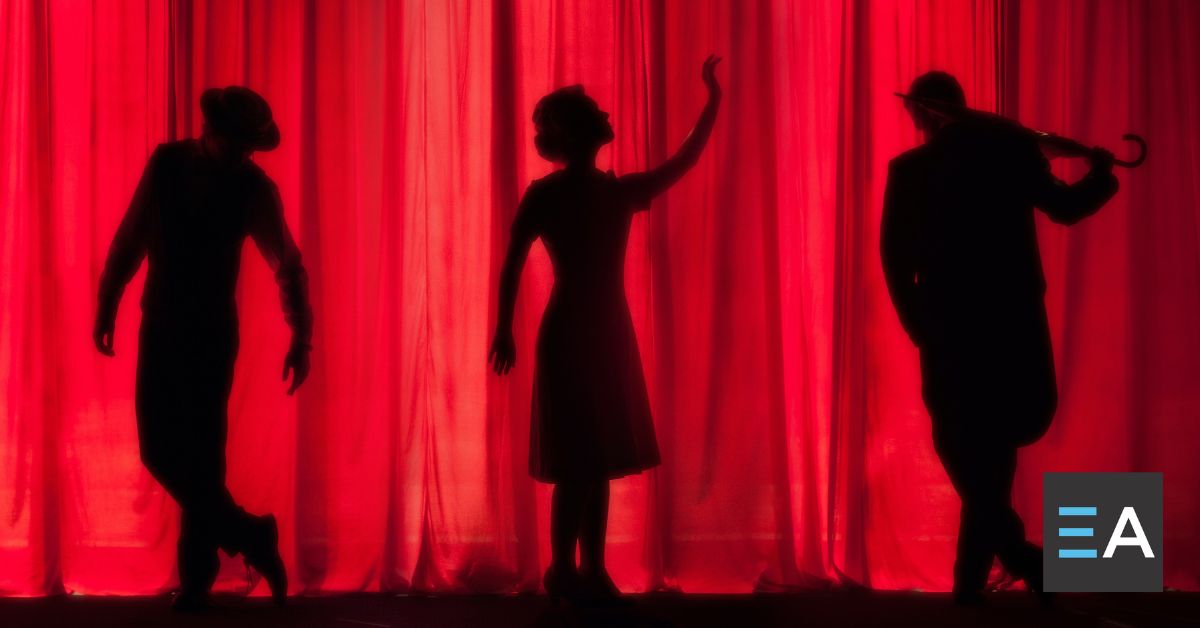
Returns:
point(1098, 529)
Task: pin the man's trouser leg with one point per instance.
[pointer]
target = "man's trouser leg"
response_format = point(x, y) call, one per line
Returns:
point(982, 472)
point(183, 388)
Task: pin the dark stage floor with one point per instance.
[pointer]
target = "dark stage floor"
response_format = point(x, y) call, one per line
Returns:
point(794, 610)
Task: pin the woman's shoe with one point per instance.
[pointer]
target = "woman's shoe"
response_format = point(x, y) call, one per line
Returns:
point(599, 590)
point(562, 584)
point(263, 556)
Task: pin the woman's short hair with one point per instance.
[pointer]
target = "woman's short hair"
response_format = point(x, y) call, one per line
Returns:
point(568, 122)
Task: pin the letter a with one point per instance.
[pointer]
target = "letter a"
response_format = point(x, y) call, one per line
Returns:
point(1128, 515)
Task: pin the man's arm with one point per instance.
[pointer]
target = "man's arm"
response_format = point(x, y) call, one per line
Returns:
point(897, 249)
point(1066, 203)
point(274, 241)
point(125, 255)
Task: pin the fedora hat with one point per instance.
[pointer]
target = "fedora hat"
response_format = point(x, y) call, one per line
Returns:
point(240, 114)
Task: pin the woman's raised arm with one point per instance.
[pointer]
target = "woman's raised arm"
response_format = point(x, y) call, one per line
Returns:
point(642, 187)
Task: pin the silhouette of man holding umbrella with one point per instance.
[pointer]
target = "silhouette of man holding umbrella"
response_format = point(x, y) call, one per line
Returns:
point(960, 257)
point(196, 202)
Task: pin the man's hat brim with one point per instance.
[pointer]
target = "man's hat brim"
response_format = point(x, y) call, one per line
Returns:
point(258, 132)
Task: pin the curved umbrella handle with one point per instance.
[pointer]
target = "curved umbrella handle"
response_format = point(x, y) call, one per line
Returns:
point(1136, 161)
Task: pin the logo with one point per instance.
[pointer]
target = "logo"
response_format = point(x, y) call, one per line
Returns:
point(1102, 531)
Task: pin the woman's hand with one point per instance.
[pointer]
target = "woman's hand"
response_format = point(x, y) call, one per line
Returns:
point(504, 351)
point(102, 334)
point(641, 187)
point(709, 75)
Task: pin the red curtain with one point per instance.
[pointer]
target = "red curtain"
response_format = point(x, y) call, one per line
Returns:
point(1123, 286)
point(796, 449)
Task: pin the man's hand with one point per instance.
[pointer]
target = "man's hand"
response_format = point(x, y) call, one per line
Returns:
point(297, 363)
point(102, 335)
point(1101, 160)
point(504, 352)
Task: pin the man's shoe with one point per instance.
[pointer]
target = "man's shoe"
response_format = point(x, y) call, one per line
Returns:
point(263, 555)
point(1030, 570)
point(968, 597)
point(190, 602)
point(1035, 584)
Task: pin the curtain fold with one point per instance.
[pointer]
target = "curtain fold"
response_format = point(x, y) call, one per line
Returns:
point(796, 450)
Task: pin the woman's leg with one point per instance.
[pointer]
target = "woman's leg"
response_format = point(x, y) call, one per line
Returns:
point(594, 529)
point(566, 509)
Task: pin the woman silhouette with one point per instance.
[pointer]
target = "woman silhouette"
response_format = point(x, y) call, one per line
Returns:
point(591, 416)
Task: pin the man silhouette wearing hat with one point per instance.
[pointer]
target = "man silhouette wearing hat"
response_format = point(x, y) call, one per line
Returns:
point(197, 201)
point(961, 262)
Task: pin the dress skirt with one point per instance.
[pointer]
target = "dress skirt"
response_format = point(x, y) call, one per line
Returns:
point(591, 415)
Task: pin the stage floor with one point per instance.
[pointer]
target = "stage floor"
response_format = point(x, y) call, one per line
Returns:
point(792, 610)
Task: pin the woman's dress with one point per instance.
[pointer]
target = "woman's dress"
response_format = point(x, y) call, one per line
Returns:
point(591, 414)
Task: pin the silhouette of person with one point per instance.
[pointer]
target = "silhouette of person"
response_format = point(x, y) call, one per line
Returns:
point(590, 413)
point(193, 208)
point(962, 267)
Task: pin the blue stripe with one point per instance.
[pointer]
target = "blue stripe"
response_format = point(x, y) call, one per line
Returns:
point(1076, 553)
point(1075, 532)
point(1077, 511)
